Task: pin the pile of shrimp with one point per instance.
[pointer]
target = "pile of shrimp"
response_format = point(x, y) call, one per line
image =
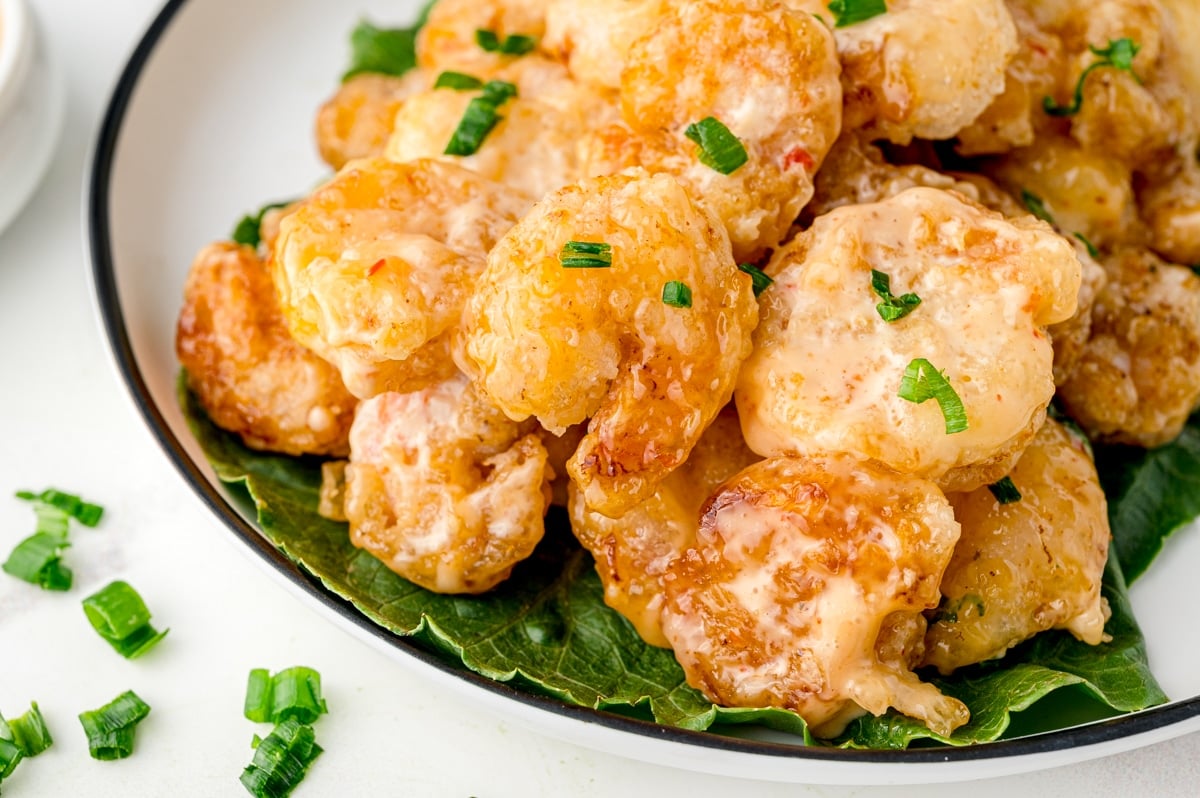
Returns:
point(799, 410)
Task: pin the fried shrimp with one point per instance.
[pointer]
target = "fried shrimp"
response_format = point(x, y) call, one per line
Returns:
point(827, 369)
point(799, 564)
point(1029, 565)
point(1138, 378)
point(926, 68)
point(357, 120)
point(569, 344)
point(766, 73)
point(449, 39)
point(632, 552)
point(444, 488)
point(247, 372)
point(373, 268)
point(593, 37)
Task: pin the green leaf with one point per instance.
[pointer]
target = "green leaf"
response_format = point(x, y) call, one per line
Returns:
point(248, 230)
point(547, 629)
point(387, 51)
point(1151, 493)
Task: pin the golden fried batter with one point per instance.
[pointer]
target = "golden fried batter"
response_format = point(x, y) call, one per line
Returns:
point(248, 373)
point(357, 120)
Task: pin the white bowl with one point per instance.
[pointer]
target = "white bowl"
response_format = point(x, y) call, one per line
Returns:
point(31, 107)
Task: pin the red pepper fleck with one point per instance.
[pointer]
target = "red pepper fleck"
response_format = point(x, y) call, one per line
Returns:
point(376, 266)
point(798, 155)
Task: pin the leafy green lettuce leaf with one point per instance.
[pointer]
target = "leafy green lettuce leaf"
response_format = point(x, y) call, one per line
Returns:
point(547, 628)
point(1151, 494)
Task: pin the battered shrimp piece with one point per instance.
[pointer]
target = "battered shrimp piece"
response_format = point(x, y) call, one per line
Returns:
point(926, 68)
point(1139, 376)
point(447, 40)
point(593, 37)
point(1027, 566)
point(826, 370)
point(569, 344)
point(1070, 337)
point(1170, 207)
point(798, 566)
point(247, 372)
point(1085, 191)
point(373, 268)
point(357, 120)
point(767, 73)
point(632, 552)
point(443, 488)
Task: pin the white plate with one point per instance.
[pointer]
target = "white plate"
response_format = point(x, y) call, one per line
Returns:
point(213, 116)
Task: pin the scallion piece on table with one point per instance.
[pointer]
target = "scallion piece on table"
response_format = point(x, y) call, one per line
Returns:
point(28, 732)
point(1005, 491)
point(677, 294)
point(36, 559)
point(586, 255)
point(291, 693)
point(281, 760)
point(120, 616)
point(513, 44)
point(892, 308)
point(718, 148)
point(10, 757)
point(457, 81)
point(85, 513)
point(849, 12)
point(758, 278)
point(110, 728)
point(922, 382)
point(481, 116)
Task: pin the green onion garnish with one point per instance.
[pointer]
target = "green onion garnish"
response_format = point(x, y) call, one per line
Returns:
point(1005, 491)
point(718, 147)
point(481, 116)
point(758, 278)
point(109, 729)
point(677, 294)
point(291, 693)
point(10, 757)
point(922, 382)
point(514, 44)
point(85, 513)
point(1037, 206)
point(457, 81)
point(892, 307)
point(28, 732)
point(281, 760)
point(382, 50)
point(848, 12)
point(120, 616)
point(36, 559)
point(1091, 248)
point(585, 255)
point(248, 231)
point(1119, 54)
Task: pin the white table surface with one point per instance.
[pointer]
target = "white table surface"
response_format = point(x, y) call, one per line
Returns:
point(67, 421)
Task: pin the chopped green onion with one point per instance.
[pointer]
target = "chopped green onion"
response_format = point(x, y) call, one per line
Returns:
point(281, 760)
point(291, 693)
point(457, 81)
point(585, 255)
point(1091, 248)
point(514, 44)
point(85, 513)
point(1005, 491)
point(718, 147)
point(248, 231)
point(382, 50)
point(10, 757)
point(51, 520)
point(892, 307)
point(28, 732)
point(921, 382)
point(848, 12)
point(1119, 54)
point(109, 729)
point(758, 278)
point(481, 116)
point(677, 294)
point(36, 559)
point(1035, 205)
point(120, 616)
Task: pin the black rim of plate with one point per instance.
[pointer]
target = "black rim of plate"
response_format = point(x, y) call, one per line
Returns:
point(104, 276)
